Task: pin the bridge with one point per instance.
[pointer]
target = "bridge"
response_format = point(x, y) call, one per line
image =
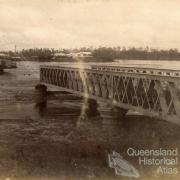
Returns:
point(152, 92)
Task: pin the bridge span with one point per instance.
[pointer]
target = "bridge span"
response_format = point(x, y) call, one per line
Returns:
point(152, 92)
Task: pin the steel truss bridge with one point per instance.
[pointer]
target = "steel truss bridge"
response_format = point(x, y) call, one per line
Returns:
point(153, 92)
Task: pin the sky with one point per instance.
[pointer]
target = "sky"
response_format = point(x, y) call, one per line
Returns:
point(78, 23)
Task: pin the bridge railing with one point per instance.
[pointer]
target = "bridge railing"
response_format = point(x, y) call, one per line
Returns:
point(150, 94)
point(137, 70)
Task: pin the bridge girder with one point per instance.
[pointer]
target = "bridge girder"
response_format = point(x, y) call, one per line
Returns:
point(152, 95)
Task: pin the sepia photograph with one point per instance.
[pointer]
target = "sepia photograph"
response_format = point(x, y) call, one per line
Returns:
point(89, 89)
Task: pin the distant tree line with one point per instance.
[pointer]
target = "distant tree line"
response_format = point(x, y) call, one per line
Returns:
point(38, 53)
point(136, 53)
point(102, 53)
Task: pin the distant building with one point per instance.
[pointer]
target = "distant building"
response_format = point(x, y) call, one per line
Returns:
point(62, 55)
point(35, 58)
point(16, 58)
point(82, 54)
point(4, 56)
point(6, 62)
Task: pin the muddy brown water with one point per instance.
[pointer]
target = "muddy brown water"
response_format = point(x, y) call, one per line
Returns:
point(52, 142)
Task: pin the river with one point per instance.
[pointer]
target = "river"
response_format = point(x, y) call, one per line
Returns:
point(52, 142)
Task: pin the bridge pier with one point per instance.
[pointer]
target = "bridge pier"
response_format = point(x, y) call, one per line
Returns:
point(41, 98)
point(1, 70)
point(92, 108)
point(111, 112)
point(89, 108)
point(119, 112)
point(112, 117)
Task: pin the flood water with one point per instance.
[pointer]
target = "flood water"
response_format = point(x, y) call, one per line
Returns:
point(51, 141)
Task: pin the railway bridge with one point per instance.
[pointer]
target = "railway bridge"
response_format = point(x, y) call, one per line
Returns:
point(152, 92)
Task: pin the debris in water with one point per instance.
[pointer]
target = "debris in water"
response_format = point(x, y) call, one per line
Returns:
point(121, 166)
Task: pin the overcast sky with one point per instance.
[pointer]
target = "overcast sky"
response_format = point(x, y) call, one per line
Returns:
point(77, 23)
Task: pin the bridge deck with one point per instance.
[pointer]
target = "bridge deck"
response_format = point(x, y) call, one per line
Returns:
point(153, 94)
